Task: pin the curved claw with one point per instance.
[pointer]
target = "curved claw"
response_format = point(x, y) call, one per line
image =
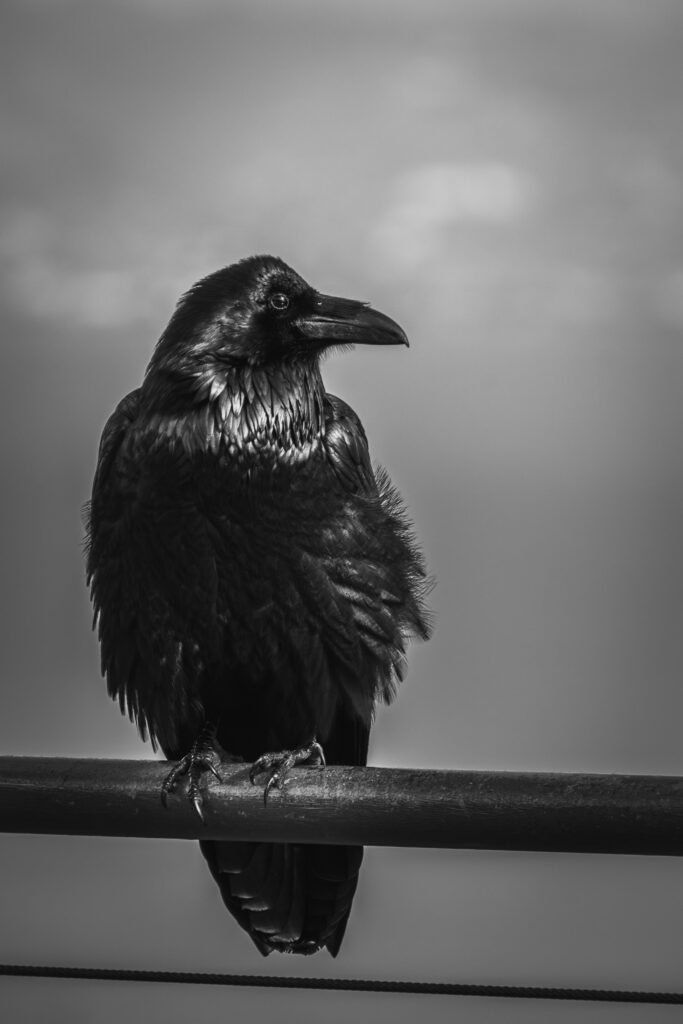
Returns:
point(272, 783)
point(171, 781)
point(257, 767)
point(320, 754)
point(278, 764)
point(201, 758)
point(197, 804)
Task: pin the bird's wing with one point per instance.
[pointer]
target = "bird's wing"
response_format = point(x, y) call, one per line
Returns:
point(381, 573)
point(151, 568)
point(347, 447)
point(115, 430)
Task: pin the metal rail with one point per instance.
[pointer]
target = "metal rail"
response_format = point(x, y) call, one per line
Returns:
point(637, 814)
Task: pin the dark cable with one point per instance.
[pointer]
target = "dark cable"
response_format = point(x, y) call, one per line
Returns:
point(344, 984)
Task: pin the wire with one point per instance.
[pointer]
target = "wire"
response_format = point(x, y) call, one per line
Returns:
point(345, 984)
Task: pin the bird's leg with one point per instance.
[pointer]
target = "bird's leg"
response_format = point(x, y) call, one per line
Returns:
point(204, 755)
point(278, 764)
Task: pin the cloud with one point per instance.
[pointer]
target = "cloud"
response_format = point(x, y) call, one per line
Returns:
point(85, 298)
point(50, 274)
point(44, 282)
point(430, 197)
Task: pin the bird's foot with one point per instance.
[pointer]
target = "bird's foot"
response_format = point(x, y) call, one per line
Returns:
point(204, 756)
point(278, 765)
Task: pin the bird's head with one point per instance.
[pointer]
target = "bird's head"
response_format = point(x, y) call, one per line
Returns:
point(260, 312)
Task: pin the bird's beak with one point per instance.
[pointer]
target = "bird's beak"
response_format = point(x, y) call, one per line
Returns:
point(337, 321)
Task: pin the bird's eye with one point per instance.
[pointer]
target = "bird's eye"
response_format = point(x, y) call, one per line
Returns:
point(279, 301)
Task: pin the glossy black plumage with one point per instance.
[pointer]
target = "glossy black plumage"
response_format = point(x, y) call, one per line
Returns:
point(249, 569)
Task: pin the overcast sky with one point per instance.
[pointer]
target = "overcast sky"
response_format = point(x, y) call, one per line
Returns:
point(504, 178)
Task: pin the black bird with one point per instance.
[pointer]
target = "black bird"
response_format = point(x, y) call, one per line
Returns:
point(254, 580)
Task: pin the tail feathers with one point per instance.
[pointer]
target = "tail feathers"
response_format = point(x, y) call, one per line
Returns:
point(290, 898)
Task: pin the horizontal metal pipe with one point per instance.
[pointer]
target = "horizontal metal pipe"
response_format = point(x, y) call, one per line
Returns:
point(638, 814)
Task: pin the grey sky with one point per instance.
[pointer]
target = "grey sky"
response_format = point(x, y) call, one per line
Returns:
point(505, 179)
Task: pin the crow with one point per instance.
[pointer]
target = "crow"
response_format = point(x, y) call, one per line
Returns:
point(254, 579)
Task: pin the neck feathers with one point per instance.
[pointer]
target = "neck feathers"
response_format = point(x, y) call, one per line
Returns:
point(253, 412)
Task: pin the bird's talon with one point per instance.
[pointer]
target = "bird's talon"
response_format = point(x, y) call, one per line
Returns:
point(320, 753)
point(201, 758)
point(263, 763)
point(274, 782)
point(171, 781)
point(197, 803)
point(279, 764)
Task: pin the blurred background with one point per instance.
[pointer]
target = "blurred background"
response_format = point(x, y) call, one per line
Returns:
point(503, 177)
